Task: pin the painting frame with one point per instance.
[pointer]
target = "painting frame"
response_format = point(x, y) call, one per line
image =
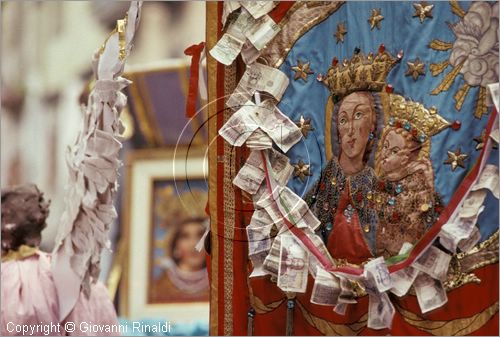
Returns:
point(142, 168)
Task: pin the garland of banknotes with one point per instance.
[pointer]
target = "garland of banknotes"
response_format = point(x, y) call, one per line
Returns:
point(295, 251)
point(93, 163)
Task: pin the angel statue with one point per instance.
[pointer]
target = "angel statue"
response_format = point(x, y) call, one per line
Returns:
point(47, 289)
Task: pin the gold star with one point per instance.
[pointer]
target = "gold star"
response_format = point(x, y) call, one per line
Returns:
point(302, 70)
point(301, 170)
point(305, 125)
point(423, 10)
point(341, 31)
point(456, 159)
point(415, 69)
point(480, 141)
point(375, 18)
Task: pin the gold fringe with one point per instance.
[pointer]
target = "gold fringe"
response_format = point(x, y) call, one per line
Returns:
point(330, 329)
point(459, 326)
point(438, 68)
point(440, 45)
point(448, 80)
point(481, 108)
point(456, 9)
point(460, 96)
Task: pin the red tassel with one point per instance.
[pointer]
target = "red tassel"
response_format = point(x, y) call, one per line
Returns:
point(195, 52)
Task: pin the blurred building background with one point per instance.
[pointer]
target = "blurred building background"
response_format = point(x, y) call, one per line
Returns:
point(47, 47)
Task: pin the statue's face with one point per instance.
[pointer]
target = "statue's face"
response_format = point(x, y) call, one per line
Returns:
point(394, 153)
point(355, 122)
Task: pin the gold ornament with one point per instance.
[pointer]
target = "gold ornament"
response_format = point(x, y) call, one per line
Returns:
point(456, 159)
point(301, 170)
point(415, 69)
point(375, 18)
point(302, 70)
point(413, 115)
point(305, 125)
point(360, 73)
point(341, 31)
point(423, 10)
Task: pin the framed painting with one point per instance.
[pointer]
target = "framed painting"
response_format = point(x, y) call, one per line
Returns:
point(164, 215)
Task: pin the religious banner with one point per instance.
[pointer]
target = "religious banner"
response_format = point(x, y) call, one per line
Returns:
point(353, 146)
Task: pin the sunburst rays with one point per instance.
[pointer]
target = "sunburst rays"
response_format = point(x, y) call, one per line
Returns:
point(451, 76)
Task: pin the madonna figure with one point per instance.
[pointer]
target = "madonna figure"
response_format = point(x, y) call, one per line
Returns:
point(344, 198)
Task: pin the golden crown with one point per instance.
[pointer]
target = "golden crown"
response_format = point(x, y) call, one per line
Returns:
point(360, 73)
point(421, 122)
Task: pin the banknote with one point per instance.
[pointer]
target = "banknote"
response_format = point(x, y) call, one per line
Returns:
point(326, 289)
point(404, 278)
point(489, 180)
point(229, 7)
point(430, 292)
point(280, 163)
point(495, 135)
point(377, 270)
point(258, 8)
point(227, 49)
point(262, 32)
point(258, 77)
point(271, 263)
point(258, 232)
point(258, 140)
point(258, 264)
point(295, 209)
point(240, 125)
point(495, 95)
point(251, 175)
point(293, 270)
point(433, 262)
point(347, 294)
point(467, 244)
point(458, 230)
point(380, 311)
point(340, 308)
point(320, 246)
point(278, 126)
point(472, 204)
point(249, 53)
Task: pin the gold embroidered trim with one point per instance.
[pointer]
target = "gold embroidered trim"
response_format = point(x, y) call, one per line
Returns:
point(22, 252)
point(448, 80)
point(212, 162)
point(229, 208)
point(459, 326)
point(481, 107)
point(331, 329)
point(457, 9)
point(440, 45)
point(484, 254)
point(438, 68)
point(460, 95)
point(300, 18)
